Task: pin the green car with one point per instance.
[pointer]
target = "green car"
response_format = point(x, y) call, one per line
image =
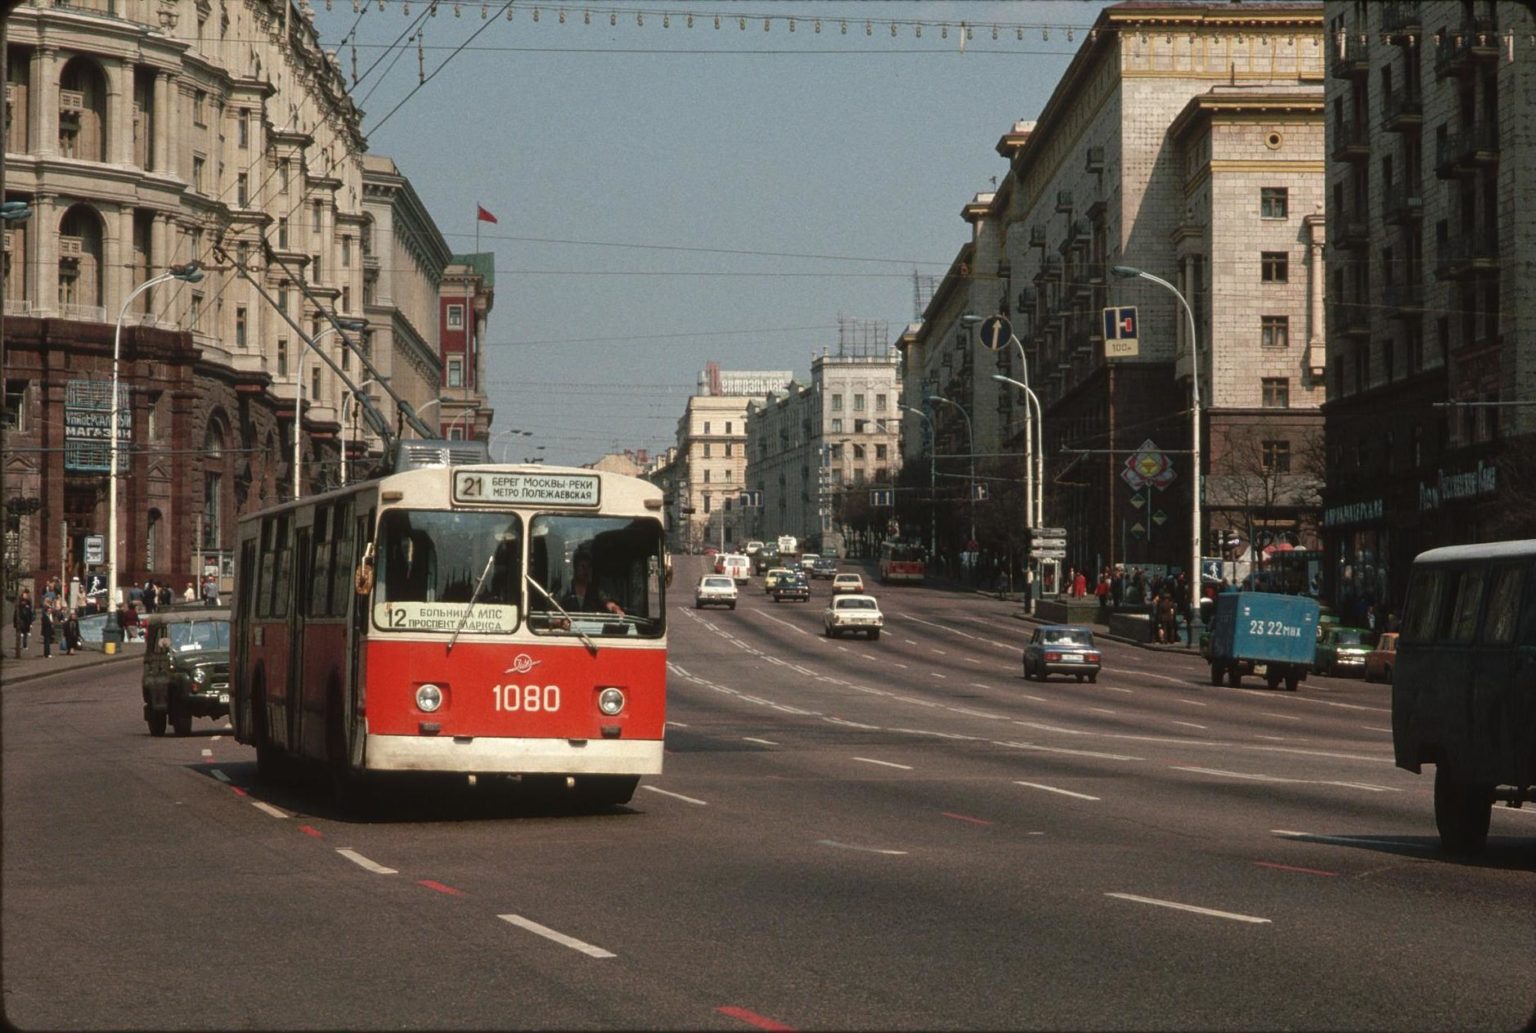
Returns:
point(1342, 651)
point(186, 668)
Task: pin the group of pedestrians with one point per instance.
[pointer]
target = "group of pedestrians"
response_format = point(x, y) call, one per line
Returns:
point(55, 620)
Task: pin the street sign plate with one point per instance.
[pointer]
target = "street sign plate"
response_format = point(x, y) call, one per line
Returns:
point(95, 549)
point(995, 332)
point(1120, 340)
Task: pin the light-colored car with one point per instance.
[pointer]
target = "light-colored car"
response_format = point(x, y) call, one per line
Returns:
point(847, 583)
point(808, 562)
point(1380, 661)
point(772, 577)
point(734, 564)
point(715, 590)
point(845, 613)
point(1062, 649)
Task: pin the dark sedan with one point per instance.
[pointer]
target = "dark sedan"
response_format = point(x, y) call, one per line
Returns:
point(793, 585)
point(1061, 649)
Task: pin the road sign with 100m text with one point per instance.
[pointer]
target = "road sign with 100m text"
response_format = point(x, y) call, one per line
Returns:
point(1120, 341)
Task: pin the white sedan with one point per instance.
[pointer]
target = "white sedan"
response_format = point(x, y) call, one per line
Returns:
point(715, 590)
point(847, 583)
point(846, 613)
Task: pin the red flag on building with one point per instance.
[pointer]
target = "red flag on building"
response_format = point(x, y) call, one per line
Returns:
point(483, 216)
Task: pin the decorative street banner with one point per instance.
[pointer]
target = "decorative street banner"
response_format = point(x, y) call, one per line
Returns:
point(88, 426)
point(1148, 465)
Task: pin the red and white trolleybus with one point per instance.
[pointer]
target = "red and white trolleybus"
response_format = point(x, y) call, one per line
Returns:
point(902, 561)
point(433, 621)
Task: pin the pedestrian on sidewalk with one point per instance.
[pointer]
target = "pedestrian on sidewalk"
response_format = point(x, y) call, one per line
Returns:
point(22, 619)
point(72, 633)
point(45, 631)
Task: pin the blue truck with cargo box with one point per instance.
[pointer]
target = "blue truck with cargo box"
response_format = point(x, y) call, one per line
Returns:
point(1266, 634)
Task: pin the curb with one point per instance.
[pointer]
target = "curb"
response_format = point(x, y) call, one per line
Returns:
point(79, 665)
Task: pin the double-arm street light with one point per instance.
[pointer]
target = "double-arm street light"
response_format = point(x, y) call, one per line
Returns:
point(501, 434)
point(187, 273)
point(970, 439)
point(354, 325)
point(1034, 438)
point(354, 394)
point(1195, 574)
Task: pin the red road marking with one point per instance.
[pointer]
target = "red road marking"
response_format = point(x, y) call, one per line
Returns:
point(432, 884)
point(961, 817)
point(310, 830)
point(752, 1018)
point(238, 790)
point(1293, 868)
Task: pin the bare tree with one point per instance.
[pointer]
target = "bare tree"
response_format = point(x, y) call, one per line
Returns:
point(1265, 475)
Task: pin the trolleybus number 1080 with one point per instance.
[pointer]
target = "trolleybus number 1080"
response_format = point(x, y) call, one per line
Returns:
point(1278, 628)
point(530, 699)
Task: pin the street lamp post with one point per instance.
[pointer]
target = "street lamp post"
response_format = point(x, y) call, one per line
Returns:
point(933, 528)
point(970, 440)
point(449, 432)
point(1195, 577)
point(188, 273)
point(312, 343)
point(355, 393)
point(1033, 508)
point(430, 401)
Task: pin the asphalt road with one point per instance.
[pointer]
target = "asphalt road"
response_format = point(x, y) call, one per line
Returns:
point(900, 834)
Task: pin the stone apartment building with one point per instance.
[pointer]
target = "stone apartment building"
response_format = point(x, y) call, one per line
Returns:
point(816, 452)
point(1431, 380)
point(1185, 141)
point(143, 135)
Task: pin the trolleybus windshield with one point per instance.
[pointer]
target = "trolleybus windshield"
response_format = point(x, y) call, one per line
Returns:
point(430, 563)
point(594, 574)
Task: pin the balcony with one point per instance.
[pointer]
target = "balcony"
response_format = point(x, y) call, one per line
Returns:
point(1095, 159)
point(1064, 201)
point(1351, 142)
point(1349, 318)
point(1079, 235)
point(1401, 17)
point(1404, 300)
point(1350, 230)
point(1467, 150)
point(1402, 109)
point(1462, 49)
point(71, 103)
point(1051, 270)
point(1405, 206)
point(1037, 236)
point(1469, 255)
point(1026, 301)
point(1354, 62)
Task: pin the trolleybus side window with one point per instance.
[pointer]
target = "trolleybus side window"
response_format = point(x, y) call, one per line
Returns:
point(341, 566)
point(1424, 594)
point(318, 601)
point(431, 564)
point(283, 571)
point(1469, 597)
point(268, 563)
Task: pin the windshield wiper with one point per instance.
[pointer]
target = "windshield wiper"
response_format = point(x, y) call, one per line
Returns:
point(591, 646)
point(472, 600)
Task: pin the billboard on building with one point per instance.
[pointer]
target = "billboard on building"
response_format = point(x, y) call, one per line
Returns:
point(88, 426)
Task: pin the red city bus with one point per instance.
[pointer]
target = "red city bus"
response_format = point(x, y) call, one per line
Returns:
point(431, 622)
point(902, 561)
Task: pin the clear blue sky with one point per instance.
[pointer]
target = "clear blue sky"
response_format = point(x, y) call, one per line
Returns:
point(668, 196)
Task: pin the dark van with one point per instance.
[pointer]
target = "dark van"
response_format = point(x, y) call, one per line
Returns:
point(1464, 686)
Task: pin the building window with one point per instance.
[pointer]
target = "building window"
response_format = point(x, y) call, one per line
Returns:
point(1274, 202)
point(1387, 360)
point(152, 540)
point(837, 425)
point(837, 403)
point(858, 403)
point(455, 317)
point(282, 358)
point(727, 429)
point(879, 403)
point(282, 233)
point(314, 385)
point(1277, 392)
point(1275, 266)
point(707, 451)
point(880, 453)
point(706, 426)
point(15, 405)
point(728, 477)
point(728, 452)
point(241, 326)
point(706, 476)
point(1275, 331)
point(282, 177)
point(198, 163)
point(706, 497)
point(317, 217)
point(199, 108)
point(243, 190)
point(243, 128)
point(1277, 456)
point(346, 252)
point(455, 372)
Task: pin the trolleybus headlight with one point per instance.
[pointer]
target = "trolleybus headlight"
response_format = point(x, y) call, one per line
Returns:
point(429, 697)
point(610, 701)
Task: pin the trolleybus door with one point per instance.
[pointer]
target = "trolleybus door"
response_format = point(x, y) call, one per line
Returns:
point(296, 612)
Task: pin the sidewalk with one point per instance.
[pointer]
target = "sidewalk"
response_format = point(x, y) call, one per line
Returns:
point(32, 665)
point(1099, 630)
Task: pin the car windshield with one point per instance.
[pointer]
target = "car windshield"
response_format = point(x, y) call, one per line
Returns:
point(195, 635)
point(855, 604)
point(1349, 638)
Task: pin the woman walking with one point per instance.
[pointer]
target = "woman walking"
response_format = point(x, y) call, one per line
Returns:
point(45, 631)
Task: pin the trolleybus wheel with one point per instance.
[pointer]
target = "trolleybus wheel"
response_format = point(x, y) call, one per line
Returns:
point(606, 790)
point(1462, 812)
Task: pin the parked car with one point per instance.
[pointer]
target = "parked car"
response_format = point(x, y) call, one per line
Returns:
point(715, 590)
point(772, 577)
point(1342, 651)
point(792, 585)
point(853, 613)
point(847, 583)
point(1380, 661)
point(1062, 649)
point(825, 567)
point(186, 668)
